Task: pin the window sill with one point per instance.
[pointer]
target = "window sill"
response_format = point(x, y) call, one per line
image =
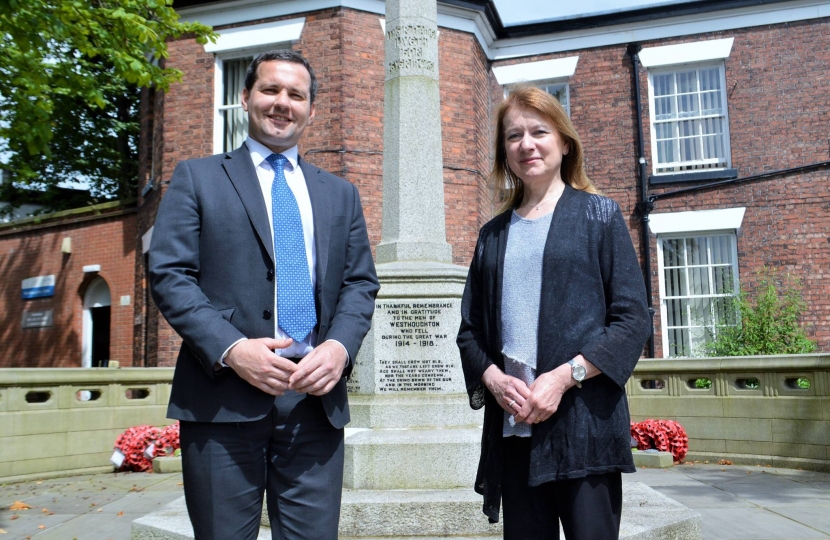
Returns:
point(697, 176)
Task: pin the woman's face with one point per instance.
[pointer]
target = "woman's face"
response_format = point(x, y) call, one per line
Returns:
point(533, 146)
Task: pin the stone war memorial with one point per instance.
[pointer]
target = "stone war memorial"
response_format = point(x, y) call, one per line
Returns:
point(412, 446)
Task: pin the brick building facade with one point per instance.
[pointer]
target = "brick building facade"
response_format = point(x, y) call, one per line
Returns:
point(91, 254)
point(729, 92)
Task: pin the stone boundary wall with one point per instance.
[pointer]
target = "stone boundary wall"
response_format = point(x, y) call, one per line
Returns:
point(48, 428)
point(55, 432)
point(777, 423)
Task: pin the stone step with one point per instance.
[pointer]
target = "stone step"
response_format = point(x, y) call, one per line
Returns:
point(411, 458)
point(453, 514)
point(417, 514)
point(413, 411)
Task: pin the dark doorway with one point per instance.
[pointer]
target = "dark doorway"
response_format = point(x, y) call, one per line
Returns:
point(100, 335)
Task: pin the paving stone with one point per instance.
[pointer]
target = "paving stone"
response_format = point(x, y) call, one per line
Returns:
point(90, 527)
point(28, 523)
point(702, 496)
point(753, 524)
point(140, 504)
point(661, 477)
point(766, 490)
point(817, 517)
point(76, 503)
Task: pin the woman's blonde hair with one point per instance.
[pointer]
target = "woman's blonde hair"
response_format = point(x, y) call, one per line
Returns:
point(508, 189)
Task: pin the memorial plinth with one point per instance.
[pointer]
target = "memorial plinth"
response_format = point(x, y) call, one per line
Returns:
point(413, 436)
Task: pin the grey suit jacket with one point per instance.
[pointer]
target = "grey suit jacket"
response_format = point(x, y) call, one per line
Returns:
point(212, 277)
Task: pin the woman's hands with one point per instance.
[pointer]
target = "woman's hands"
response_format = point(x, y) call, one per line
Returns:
point(545, 394)
point(547, 390)
point(510, 392)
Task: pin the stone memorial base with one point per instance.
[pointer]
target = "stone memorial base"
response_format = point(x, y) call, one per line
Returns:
point(412, 447)
point(434, 514)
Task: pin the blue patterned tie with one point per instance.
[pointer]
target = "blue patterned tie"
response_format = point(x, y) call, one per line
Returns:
point(295, 298)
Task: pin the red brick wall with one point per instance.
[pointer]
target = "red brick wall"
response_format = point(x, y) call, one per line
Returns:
point(778, 118)
point(36, 251)
point(345, 48)
point(465, 116)
point(774, 77)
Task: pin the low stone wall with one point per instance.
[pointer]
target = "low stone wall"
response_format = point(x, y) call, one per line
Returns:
point(56, 422)
point(48, 427)
point(777, 423)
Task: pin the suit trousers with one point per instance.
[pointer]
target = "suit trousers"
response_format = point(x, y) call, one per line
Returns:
point(589, 508)
point(294, 454)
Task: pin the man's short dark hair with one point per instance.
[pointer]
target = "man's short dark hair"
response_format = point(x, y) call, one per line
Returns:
point(280, 55)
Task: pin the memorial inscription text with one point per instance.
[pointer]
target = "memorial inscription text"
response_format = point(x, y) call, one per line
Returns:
point(411, 43)
point(418, 326)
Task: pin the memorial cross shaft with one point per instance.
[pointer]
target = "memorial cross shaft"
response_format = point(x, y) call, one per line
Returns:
point(413, 176)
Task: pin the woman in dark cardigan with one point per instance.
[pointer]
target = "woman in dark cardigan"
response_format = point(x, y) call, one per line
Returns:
point(553, 322)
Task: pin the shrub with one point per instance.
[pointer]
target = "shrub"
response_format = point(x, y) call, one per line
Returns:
point(769, 325)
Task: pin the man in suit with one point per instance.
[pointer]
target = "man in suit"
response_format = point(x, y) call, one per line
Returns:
point(261, 263)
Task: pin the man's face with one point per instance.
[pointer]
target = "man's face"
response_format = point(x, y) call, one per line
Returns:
point(279, 104)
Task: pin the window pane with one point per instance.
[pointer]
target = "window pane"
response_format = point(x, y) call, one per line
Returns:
point(710, 103)
point(701, 311)
point(713, 147)
point(686, 82)
point(709, 79)
point(679, 342)
point(673, 253)
point(687, 128)
point(677, 312)
point(711, 126)
point(699, 280)
point(690, 149)
point(687, 105)
point(233, 73)
point(721, 249)
point(236, 119)
point(665, 152)
point(665, 131)
point(236, 128)
point(664, 84)
point(696, 250)
point(560, 92)
point(676, 282)
point(664, 108)
point(725, 313)
point(723, 280)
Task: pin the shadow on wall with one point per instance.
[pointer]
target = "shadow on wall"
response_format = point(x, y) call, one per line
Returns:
point(58, 345)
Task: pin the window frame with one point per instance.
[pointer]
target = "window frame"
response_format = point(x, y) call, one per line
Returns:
point(563, 82)
point(661, 272)
point(241, 42)
point(674, 68)
point(219, 93)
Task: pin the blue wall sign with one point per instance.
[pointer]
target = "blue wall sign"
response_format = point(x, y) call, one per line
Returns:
point(38, 287)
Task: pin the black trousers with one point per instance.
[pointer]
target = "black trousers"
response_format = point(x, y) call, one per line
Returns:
point(589, 508)
point(293, 453)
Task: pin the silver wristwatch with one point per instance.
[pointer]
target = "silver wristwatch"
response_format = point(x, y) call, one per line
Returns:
point(578, 372)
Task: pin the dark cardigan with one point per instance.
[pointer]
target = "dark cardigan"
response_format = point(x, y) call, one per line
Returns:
point(593, 303)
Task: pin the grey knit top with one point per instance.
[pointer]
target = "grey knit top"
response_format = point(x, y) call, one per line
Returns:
point(522, 291)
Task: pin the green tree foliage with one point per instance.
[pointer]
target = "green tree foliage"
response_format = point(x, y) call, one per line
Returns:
point(769, 325)
point(70, 74)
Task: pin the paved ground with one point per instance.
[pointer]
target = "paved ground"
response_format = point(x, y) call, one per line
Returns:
point(737, 503)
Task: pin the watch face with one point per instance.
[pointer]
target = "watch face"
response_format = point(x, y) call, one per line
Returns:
point(578, 371)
